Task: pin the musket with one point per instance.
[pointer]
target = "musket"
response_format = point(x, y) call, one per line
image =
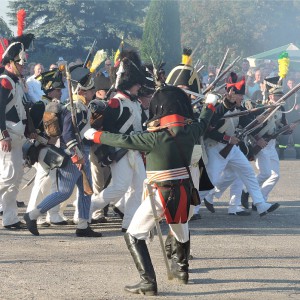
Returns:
point(201, 68)
point(256, 149)
point(2, 44)
point(29, 182)
point(198, 100)
point(156, 220)
point(248, 111)
point(88, 58)
point(111, 89)
point(222, 74)
point(198, 95)
point(197, 63)
point(86, 184)
point(222, 63)
point(220, 87)
point(258, 122)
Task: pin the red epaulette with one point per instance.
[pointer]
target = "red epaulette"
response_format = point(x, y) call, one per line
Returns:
point(6, 84)
point(114, 103)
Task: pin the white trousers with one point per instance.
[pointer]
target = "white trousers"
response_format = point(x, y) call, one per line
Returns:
point(195, 173)
point(100, 176)
point(267, 162)
point(237, 161)
point(11, 172)
point(45, 184)
point(230, 179)
point(127, 180)
point(143, 220)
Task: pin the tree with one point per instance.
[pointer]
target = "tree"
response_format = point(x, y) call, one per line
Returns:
point(246, 27)
point(4, 29)
point(161, 37)
point(68, 27)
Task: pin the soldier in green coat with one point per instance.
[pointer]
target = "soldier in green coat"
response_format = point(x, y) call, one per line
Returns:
point(170, 109)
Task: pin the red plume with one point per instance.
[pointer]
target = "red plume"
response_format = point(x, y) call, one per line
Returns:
point(21, 14)
point(238, 85)
point(3, 46)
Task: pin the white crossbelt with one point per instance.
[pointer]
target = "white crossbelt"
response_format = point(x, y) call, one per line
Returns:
point(165, 175)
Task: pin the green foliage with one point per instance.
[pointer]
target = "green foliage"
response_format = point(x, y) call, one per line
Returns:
point(4, 29)
point(246, 27)
point(69, 27)
point(161, 37)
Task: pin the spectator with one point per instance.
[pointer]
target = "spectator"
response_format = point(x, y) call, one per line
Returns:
point(52, 67)
point(107, 67)
point(35, 92)
point(254, 86)
point(250, 86)
point(29, 70)
point(211, 70)
point(245, 68)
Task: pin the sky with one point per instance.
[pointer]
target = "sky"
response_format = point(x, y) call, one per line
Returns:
point(3, 12)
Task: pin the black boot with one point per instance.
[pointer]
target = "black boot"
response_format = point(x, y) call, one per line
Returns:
point(105, 210)
point(168, 245)
point(297, 153)
point(140, 254)
point(281, 153)
point(180, 261)
point(245, 199)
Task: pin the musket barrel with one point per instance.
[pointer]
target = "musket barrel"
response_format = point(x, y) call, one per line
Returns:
point(217, 79)
point(89, 54)
point(223, 63)
point(269, 112)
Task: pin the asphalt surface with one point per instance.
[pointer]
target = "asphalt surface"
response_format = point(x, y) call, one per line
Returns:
point(234, 257)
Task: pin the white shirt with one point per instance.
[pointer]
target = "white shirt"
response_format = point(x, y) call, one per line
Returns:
point(35, 91)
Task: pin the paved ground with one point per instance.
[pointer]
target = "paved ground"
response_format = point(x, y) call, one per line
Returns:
point(235, 257)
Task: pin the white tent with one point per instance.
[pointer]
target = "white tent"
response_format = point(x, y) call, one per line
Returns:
point(291, 49)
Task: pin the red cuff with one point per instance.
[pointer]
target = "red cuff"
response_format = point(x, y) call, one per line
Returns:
point(211, 107)
point(226, 138)
point(97, 136)
point(75, 158)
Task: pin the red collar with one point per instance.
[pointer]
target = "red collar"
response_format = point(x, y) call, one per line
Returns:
point(172, 121)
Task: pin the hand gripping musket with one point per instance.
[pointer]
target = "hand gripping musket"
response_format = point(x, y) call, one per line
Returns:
point(222, 74)
point(86, 185)
point(156, 219)
point(269, 112)
point(88, 58)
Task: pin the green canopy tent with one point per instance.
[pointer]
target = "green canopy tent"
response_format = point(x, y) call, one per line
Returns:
point(292, 49)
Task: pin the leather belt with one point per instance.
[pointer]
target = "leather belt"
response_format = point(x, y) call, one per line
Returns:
point(171, 183)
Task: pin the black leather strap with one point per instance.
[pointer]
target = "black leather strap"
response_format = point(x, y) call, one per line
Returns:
point(171, 132)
